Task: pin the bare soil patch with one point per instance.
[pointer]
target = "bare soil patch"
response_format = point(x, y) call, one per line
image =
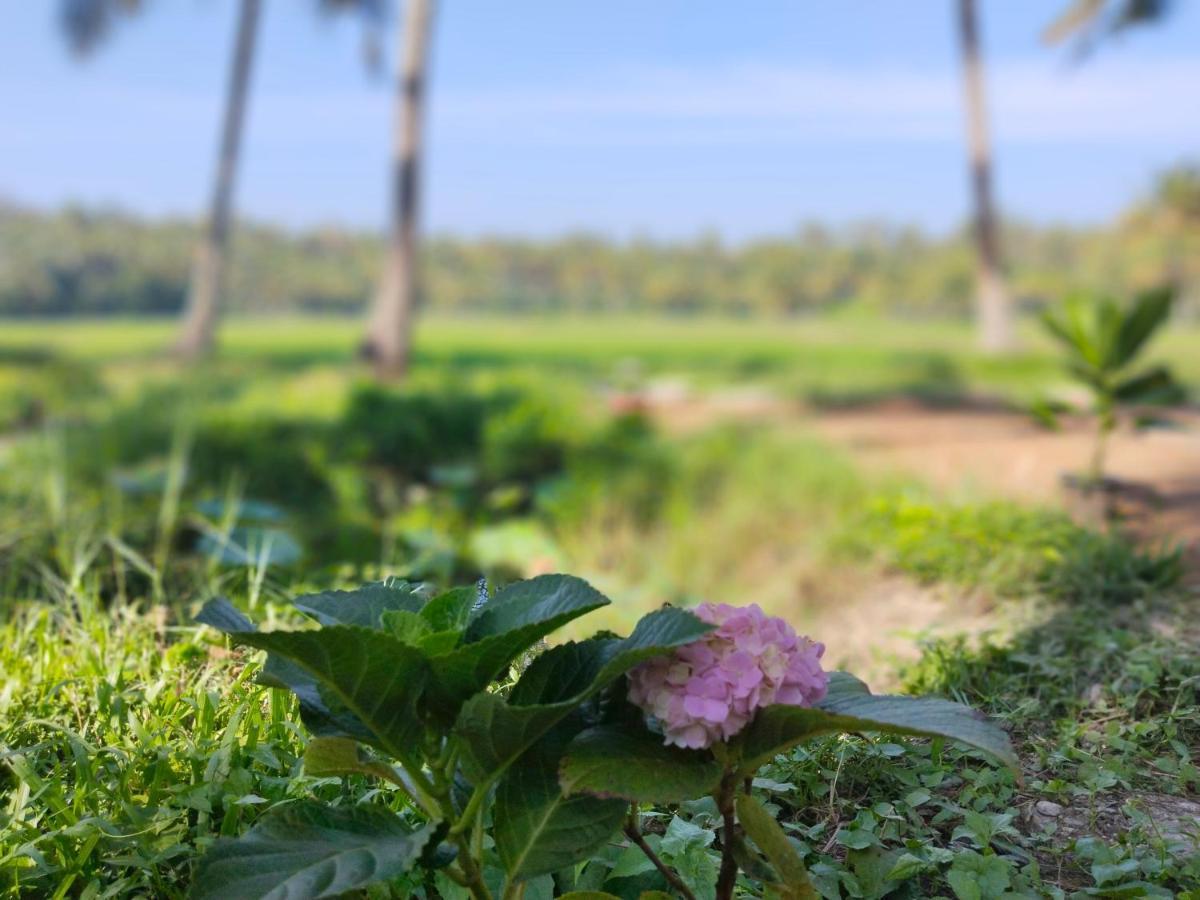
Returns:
point(984, 449)
point(998, 453)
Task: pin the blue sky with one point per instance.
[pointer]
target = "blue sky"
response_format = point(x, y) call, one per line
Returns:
point(656, 117)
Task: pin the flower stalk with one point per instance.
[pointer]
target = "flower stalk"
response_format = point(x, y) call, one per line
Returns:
point(725, 795)
point(634, 833)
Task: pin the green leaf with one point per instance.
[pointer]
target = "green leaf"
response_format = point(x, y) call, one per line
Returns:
point(1069, 325)
point(322, 715)
point(632, 861)
point(682, 836)
point(842, 685)
point(1154, 387)
point(762, 828)
point(539, 599)
point(615, 761)
point(1046, 413)
point(905, 866)
point(593, 895)
point(538, 829)
point(698, 869)
point(251, 545)
point(406, 626)
point(1150, 311)
point(976, 877)
point(465, 670)
point(374, 675)
point(845, 709)
point(1094, 379)
point(308, 850)
point(654, 635)
point(871, 867)
point(563, 672)
point(364, 606)
point(222, 615)
point(329, 756)
point(495, 732)
point(319, 714)
point(516, 619)
point(451, 610)
point(439, 643)
point(1108, 320)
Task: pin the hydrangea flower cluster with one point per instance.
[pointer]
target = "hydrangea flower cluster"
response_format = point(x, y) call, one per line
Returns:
point(708, 691)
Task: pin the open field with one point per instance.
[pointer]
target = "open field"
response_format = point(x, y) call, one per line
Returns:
point(830, 359)
point(662, 460)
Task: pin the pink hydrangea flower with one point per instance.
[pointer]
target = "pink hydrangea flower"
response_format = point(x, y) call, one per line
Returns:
point(708, 691)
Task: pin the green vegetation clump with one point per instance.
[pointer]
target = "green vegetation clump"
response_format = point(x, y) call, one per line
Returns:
point(1010, 550)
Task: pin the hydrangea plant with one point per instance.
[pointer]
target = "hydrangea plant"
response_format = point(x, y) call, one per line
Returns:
point(511, 776)
point(707, 691)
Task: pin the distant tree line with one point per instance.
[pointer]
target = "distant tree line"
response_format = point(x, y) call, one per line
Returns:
point(80, 262)
point(388, 337)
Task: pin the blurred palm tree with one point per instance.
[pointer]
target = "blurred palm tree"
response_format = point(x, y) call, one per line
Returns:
point(87, 23)
point(197, 334)
point(389, 330)
point(993, 303)
point(1088, 21)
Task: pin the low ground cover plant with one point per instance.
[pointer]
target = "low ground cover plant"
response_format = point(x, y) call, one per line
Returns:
point(1007, 549)
point(517, 777)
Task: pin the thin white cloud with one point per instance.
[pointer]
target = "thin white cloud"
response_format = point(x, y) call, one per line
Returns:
point(1032, 102)
point(1040, 101)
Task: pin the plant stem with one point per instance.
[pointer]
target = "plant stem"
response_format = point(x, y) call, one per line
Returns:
point(477, 838)
point(635, 834)
point(419, 787)
point(727, 877)
point(472, 873)
point(467, 819)
point(1099, 452)
point(475, 883)
point(437, 793)
point(1099, 490)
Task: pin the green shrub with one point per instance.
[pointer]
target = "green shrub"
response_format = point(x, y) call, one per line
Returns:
point(410, 432)
point(525, 439)
point(277, 461)
point(36, 387)
point(623, 466)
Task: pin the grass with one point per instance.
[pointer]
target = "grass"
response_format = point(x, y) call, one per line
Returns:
point(120, 759)
point(1006, 550)
point(130, 742)
point(831, 359)
point(130, 739)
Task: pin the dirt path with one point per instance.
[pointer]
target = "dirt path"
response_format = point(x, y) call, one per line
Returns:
point(1005, 454)
point(986, 451)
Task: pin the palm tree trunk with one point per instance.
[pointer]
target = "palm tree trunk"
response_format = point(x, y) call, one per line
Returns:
point(994, 307)
point(198, 333)
point(389, 333)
